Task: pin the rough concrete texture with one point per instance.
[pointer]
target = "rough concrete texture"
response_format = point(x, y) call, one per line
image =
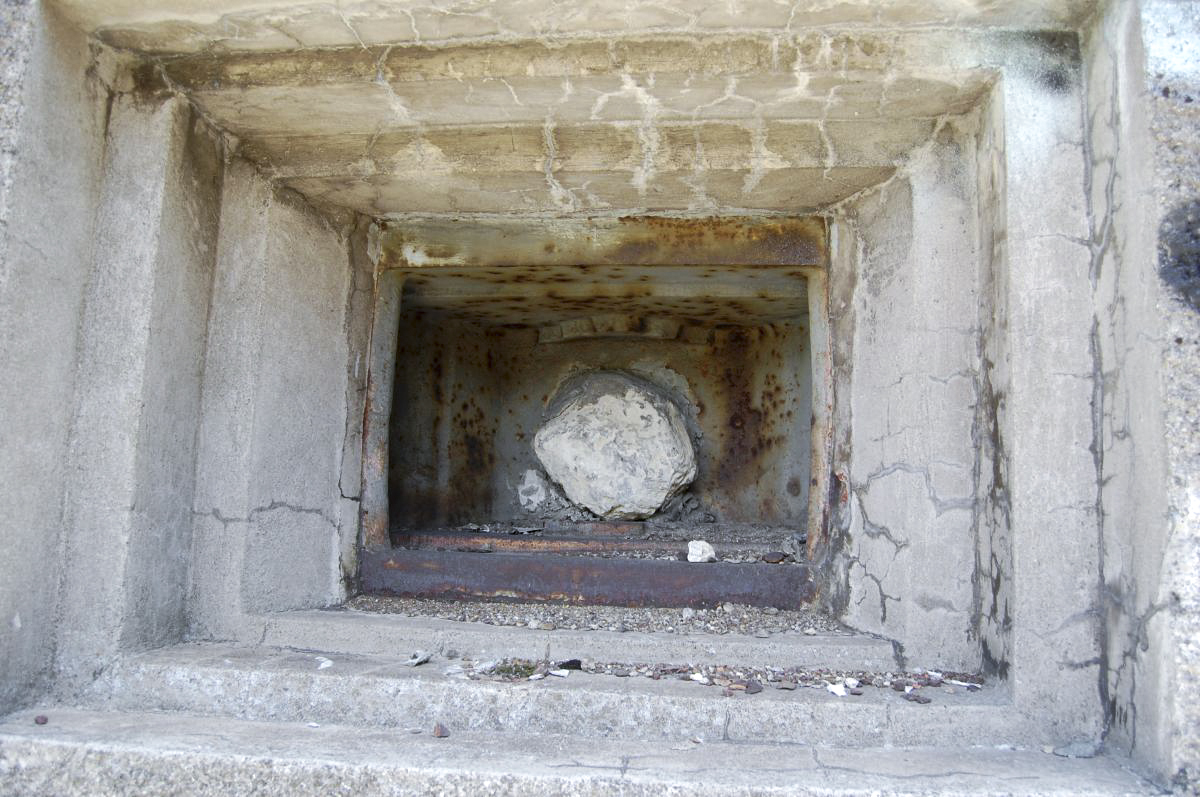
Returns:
point(51, 156)
point(282, 685)
point(369, 634)
point(1012, 387)
point(912, 472)
point(617, 446)
point(1173, 82)
point(17, 20)
point(1129, 449)
point(81, 752)
point(128, 532)
point(268, 511)
point(181, 26)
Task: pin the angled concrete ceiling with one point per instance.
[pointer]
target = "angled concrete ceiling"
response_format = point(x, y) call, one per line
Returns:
point(177, 26)
point(553, 107)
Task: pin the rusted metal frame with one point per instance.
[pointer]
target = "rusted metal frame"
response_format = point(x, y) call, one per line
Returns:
point(641, 240)
point(807, 247)
point(584, 579)
point(820, 464)
point(381, 372)
point(455, 540)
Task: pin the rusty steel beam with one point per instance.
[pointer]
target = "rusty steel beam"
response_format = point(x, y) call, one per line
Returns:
point(744, 241)
point(453, 540)
point(615, 527)
point(583, 579)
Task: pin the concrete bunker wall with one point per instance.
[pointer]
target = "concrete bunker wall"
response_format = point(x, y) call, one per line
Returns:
point(190, 393)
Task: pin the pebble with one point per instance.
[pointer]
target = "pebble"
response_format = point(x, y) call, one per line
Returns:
point(700, 551)
point(753, 687)
point(440, 731)
point(41, 719)
point(774, 557)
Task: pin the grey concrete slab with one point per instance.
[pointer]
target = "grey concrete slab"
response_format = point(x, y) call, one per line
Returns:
point(79, 752)
point(319, 686)
point(375, 634)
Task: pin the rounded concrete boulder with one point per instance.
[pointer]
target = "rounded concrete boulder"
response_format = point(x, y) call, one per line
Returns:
point(617, 447)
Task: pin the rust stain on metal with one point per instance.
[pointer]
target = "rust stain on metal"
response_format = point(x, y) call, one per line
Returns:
point(541, 542)
point(628, 240)
point(584, 580)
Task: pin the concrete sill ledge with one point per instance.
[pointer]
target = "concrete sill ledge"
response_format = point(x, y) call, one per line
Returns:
point(267, 683)
point(365, 633)
point(85, 753)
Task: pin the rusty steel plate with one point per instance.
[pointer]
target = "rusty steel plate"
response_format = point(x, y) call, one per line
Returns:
point(541, 542)
point(583, 579)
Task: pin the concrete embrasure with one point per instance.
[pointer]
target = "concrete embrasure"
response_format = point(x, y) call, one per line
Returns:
point(1005, 357)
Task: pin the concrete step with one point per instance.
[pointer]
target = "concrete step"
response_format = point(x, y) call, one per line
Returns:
point(383, 634)
point(270, 683)
point(123, 753)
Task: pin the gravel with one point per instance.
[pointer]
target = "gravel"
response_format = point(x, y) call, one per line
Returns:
point(916, 686)
point(729, 618)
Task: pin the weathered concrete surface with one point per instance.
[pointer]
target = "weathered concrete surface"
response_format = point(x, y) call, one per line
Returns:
point(284, 685)
point(1173, 81)
point(364, 633)
point(81, 752)
point(270, 517)
point(51, 158)
point(1047, 437)
point(617, 446)
point(1004, 485)
point(138, 390)
point(260, 25)
point(1130, 449)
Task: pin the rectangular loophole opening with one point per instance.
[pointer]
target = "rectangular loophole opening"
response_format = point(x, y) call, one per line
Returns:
point(483, 358)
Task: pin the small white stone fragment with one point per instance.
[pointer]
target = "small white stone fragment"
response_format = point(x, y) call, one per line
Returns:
point(688, 613)
point(699, 678)
point(852, 683)
point(537, 676)
point(836, 689)
point(560, 673)
point(701, 551)
point(418, 658)
point(810, 631)
point(16, 621)
point(314, 725)
point(532, 491)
